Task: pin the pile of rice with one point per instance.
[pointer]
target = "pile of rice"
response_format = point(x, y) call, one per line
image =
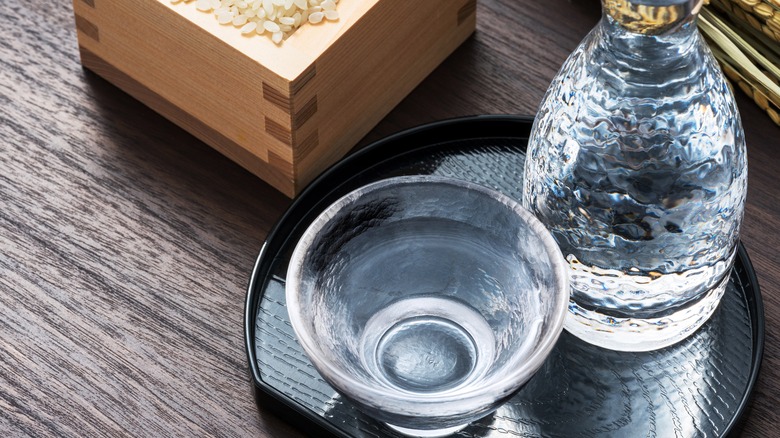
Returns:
point(276, 18)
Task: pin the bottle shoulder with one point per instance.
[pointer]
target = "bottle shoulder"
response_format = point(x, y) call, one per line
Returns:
point(636, 66)
point(598, 90)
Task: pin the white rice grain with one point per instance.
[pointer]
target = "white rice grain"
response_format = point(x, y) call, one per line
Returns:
point(316, 17)
point(328, 5)
point(332, 15)
point(225, 18)
point(249, 28)
point(272, 27)
point(204, 5)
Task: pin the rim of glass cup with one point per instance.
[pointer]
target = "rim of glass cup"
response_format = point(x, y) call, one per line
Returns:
point(383, 398)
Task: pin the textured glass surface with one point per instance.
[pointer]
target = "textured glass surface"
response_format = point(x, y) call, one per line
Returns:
point(637, 165)
point(427, 301)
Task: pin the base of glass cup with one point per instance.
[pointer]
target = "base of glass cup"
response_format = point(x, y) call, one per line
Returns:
point(637, 334)
point(431, 433)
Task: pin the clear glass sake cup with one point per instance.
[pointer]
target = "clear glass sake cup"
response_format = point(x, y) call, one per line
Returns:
point(427, 301)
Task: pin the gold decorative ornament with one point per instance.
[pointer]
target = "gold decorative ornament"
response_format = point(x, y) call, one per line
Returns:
point(636, 16)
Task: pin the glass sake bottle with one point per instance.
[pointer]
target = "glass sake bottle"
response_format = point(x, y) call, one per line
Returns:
point(637, 165)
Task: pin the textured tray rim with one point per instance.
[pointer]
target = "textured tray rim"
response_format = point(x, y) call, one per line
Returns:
point(438, 132)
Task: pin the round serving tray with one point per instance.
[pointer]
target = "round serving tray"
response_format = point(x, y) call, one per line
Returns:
point(698, 388)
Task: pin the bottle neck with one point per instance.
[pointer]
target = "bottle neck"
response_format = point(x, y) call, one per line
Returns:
point(678, 39)
point(640, 64)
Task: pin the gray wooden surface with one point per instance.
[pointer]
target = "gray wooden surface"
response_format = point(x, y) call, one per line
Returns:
point(126, 244)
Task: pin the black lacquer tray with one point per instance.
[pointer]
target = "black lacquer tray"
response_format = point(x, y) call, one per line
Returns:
point(698, 388)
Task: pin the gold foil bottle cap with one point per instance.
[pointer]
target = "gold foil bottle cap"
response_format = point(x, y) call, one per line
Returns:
point(652, 17)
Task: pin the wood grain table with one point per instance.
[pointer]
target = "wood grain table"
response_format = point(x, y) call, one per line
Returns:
point(126, 244)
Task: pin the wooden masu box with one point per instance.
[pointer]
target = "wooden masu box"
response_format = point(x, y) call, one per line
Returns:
point(284, 112)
